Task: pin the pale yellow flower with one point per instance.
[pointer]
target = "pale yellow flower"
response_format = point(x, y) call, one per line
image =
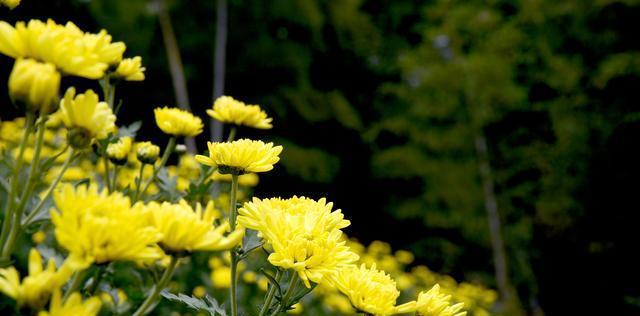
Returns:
point(35, 289)
point(98, 227)
point(147, 152)
point(184, 229)
point(241, 156)
point(435, 303)
point(228, 110)
point(371, 291)
point(34, 84)
point(12, 4)
point(72, 305)
point(177, 122)
point(86, 117)
point(119, 151)
point(130, 69)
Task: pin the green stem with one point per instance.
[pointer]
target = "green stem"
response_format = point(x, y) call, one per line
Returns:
point(107, 178)
point(139, 182)
point(233, 213)
point(157, 288)
point(171, 146)
point(65, 165)
point(31, 183)
point(11, 199)
point(232, 134)
point(272, 291)
point(293, 284)
point(114, 179)
point(76, 281)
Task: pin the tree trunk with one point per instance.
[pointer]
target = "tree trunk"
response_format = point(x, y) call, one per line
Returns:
point(219, 64)
point(491, 206)
point(175, 65)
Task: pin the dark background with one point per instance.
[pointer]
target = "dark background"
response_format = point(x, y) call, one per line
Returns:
point(378, 103)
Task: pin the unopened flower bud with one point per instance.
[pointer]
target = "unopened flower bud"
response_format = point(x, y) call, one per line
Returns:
point(147, 152)
point(34, 85)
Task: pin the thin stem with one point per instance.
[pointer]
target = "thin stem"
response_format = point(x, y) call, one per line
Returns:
point(75, 283)
point(270, 295)
point(233, 213)
point(11, 199)
point(139, 182)
point(157, 288)
point(107, 178)
point(293, 284)
point(232, 134)
point(31, 183)
point(65, 165)
point(171, 146)
point(115, 177)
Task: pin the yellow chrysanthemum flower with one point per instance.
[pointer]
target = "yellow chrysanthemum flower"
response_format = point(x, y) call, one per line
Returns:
point(34, 84)
point(130, 69)
point(72, 306)
point(371, 291)
point(119, 151)
point(35, 289)
point(304, 234)
point(70, 49)
point(184, 230)
point(434, 303)
point(86, 117)
point(95, 226)
point(177, 122)
point(231, 111)
point(147, 152)
point(241, 156)
point(12, 4)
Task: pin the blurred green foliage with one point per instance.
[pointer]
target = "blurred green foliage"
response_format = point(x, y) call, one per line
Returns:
point(408, 86)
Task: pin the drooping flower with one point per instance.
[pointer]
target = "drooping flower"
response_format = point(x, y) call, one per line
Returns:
point(119, 151)
point(86, 117)
point(72, 305)
point(147, 152)
point(184, 229)
point(435, 303)
point(231, 111)
point(97, 227)
point(241, 156)
point(371, 291)
point(177, 122)
point(304, 234)
point(34, 84)
point(36, 288)
point(130, 69)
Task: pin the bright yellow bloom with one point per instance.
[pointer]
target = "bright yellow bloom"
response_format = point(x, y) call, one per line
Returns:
point(10, 3)
point(34, 84)
point(228, 110)
point(221, 277)
point(35, 289)
point(247, 180)
point(371, 291)
point(296, 309)
point(184, 230)
point(70, 49)
point(241, 156)
point(305, 235)
point(177, 122)
point(85, 116)
point(72, 306)
point(434, 303)
point(199, 291)
point(130, 69)
point(119, 151)
point(95, 226)
point(147, 152)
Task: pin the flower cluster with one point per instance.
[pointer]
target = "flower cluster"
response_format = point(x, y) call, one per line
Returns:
point(106, 205)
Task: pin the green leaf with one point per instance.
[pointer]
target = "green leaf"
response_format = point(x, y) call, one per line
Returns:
point(209, 304)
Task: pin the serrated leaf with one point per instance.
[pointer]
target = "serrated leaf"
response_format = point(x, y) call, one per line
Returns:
point(250, 242)
point(209, 305)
